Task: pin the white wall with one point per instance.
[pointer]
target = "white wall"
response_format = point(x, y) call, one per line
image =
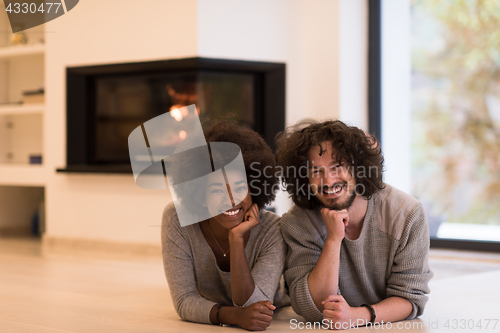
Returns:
point(302, 33)
point(107, 207)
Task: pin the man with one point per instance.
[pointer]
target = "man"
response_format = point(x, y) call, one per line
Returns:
point(357, 248)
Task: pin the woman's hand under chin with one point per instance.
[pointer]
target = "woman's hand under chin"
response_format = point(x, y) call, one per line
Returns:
point(250, 220)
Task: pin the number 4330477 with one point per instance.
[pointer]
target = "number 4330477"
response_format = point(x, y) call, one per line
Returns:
point(32, 8)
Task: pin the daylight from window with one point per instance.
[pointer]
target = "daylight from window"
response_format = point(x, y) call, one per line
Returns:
point(455, 110)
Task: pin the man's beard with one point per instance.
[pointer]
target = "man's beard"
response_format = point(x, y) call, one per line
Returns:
point(340, 205)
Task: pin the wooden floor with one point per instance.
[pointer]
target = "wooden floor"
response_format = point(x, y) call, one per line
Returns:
point(44, 291)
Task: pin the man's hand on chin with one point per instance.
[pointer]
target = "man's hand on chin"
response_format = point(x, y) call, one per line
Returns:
point(340, 315)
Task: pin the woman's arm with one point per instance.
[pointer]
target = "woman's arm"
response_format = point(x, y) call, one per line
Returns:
point(242, 284)
point(179, 271)
point(268, 267)
point(189, 304)
point(256, 317)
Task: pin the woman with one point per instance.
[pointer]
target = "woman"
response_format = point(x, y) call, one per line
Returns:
point(227, 269)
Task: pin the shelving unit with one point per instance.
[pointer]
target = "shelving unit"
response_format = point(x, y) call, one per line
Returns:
point(22, 68)
point(8, 52)
point(22, 185)
point(22, 175)
point(22, 109)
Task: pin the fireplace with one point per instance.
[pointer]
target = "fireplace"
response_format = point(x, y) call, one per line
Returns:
point(105, 103)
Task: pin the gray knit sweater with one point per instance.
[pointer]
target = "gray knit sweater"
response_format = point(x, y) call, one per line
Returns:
point(196, 283)
point(388, 259)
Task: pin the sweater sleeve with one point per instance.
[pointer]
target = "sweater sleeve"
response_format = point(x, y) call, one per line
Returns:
point(268, 267)
point(410, 273)
point(304, 250)
point(179, 271)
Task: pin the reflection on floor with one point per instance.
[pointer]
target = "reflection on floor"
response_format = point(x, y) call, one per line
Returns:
point(451, 263)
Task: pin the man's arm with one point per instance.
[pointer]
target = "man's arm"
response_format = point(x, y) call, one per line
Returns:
point(324, 278)
point(305, 247)
point(342, 316)
point(410, 273)
point(391, 309)
point(407, 285)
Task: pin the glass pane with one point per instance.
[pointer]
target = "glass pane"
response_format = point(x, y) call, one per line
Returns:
point(456, 116)
point(123, 103)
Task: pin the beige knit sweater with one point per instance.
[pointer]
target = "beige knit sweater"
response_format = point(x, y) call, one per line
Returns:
point(388, 259)
point(196, 283)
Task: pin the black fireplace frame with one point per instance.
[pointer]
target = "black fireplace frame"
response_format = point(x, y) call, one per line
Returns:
point(270, 93)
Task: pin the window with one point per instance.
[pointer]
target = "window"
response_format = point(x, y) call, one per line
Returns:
point(440, 112)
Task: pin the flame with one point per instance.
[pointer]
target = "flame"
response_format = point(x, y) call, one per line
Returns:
point(178, 112)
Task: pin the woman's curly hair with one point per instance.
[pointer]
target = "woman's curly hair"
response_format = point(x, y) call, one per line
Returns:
point(257, 156)
point(353, 147)
point(258, 159)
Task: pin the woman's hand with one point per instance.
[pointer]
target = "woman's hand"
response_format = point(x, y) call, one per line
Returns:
point(257, 317)
point(250, 220)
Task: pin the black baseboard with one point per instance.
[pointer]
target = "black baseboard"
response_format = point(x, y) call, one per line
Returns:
point(469, 245)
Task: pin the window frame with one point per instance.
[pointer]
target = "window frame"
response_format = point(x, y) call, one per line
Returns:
point(375, 117)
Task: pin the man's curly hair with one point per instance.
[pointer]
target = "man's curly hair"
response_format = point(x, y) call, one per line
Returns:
point(258, 159)
point(353, 147)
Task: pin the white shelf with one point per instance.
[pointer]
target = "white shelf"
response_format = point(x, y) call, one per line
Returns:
point(21, 109)
point(22, 175)
point(21, 50)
